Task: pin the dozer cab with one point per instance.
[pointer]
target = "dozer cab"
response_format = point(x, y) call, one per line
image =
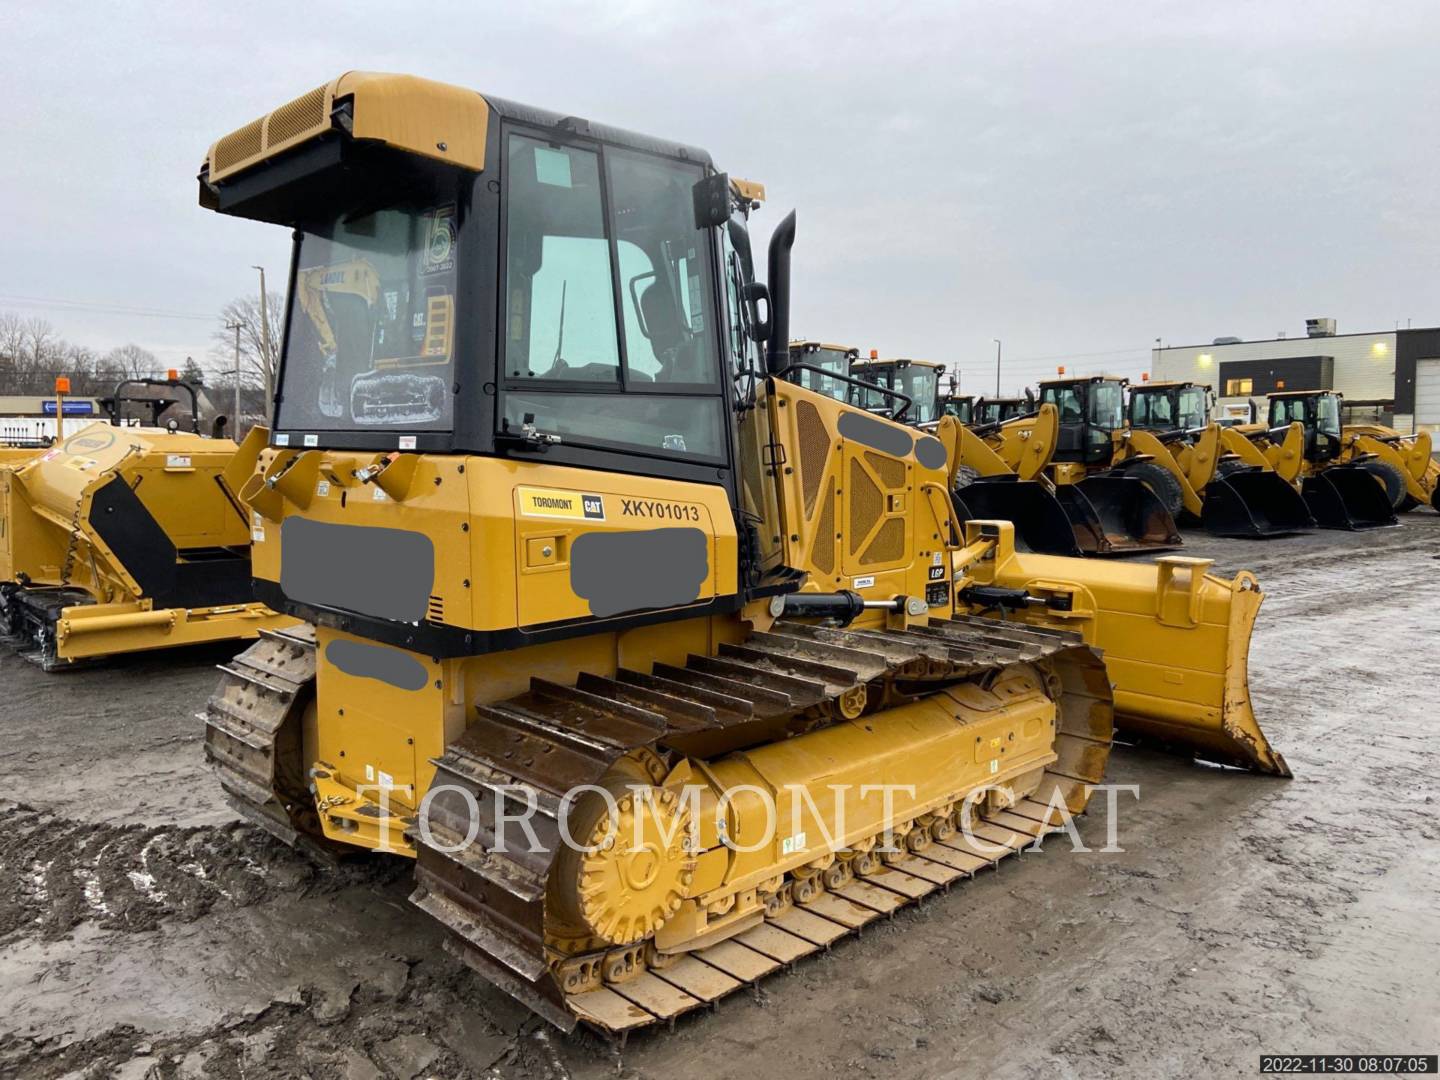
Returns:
point(1347, 482)
point(1226, 485)
point(901, 389)
point(127, 538)
point(636, 588)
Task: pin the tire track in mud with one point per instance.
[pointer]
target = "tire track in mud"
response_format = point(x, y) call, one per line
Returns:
point(56, 873)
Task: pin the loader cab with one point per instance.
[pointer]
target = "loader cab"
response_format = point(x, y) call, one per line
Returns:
point(960, 406)
point(833, 363)
point(1170, 406)
point(1318, 411)
point(998, 410)
point(1091, 411)
point(919, 380)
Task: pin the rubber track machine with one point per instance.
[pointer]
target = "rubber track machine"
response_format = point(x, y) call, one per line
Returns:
point(122, 539)
point(628, 575)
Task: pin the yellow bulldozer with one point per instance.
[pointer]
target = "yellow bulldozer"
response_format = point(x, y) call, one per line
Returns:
point(120, 539)
point(1225, 483)
point(664, 670)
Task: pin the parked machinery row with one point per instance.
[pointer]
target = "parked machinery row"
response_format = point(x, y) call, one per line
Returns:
point(1300, 470)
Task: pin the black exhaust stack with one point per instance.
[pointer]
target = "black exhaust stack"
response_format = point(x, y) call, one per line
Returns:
point(777, 351)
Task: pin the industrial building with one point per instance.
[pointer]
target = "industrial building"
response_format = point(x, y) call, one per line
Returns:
point(1390, 376)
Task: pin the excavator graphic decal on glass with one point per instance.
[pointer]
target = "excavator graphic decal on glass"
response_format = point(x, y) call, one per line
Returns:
point(380, 311)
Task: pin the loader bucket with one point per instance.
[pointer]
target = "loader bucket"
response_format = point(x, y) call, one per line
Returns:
point(1176, 641)
point(1117, 515)
point(1344, 497)
point(1254, 503)
point(1041, 524)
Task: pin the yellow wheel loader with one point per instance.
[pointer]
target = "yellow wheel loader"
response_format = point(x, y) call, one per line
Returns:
point(907, 390)
point(1411, 454)
point(1007, 470)
point(121, 539)
point(823, 368)
point(960, 406)
point(1226, 485)
point(665, 671)
point(996, 410)
point(1348, 481)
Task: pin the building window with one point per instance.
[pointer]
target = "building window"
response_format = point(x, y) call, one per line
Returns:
point(1239, 387)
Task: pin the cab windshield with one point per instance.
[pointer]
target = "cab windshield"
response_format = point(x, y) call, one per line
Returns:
point(834, 361)
point(921, 384)
point(1327, 410)
point(874, 400)
point(960, 408)
point(1194, 408)
point(1107, 405)
point(371, 321)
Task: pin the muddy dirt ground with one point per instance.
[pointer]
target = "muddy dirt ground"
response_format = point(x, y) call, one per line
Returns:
point(145, 932)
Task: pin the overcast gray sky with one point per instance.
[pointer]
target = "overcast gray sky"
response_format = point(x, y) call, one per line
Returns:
point(1076, 179)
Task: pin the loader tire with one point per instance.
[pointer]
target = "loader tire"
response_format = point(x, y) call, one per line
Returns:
point(1389, 477)
point(1229, 466)
point(1162, 482)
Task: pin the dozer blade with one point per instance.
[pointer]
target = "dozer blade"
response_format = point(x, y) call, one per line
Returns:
point(1041, 524)
point(1117, 515)
point(1254, 503)
point(1344, 497)
point(1176, 642)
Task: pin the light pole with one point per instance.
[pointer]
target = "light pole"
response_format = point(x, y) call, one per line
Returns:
point(997, 366)
point(235, 419)
point(264, 340)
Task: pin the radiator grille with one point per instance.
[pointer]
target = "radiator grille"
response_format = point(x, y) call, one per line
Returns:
point(814, 451)
point(866, 504)
point(890, 471)
point(822, 555)
point(889, 544)
point(435, 609)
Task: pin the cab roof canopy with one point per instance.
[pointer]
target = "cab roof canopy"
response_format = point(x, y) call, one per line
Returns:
point(1071, 380)
point(361, 119)
point(811, 346)
point(901, 362)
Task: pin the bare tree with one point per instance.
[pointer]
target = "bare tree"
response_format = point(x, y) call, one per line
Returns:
point(258, 365)
point(132, 362)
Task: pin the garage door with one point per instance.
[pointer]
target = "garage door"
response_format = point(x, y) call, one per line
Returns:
point(1427, 395)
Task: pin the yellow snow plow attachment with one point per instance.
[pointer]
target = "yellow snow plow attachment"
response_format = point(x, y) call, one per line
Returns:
point(1175, 637)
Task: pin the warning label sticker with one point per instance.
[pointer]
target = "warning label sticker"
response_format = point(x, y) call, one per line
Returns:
point(548, 502)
